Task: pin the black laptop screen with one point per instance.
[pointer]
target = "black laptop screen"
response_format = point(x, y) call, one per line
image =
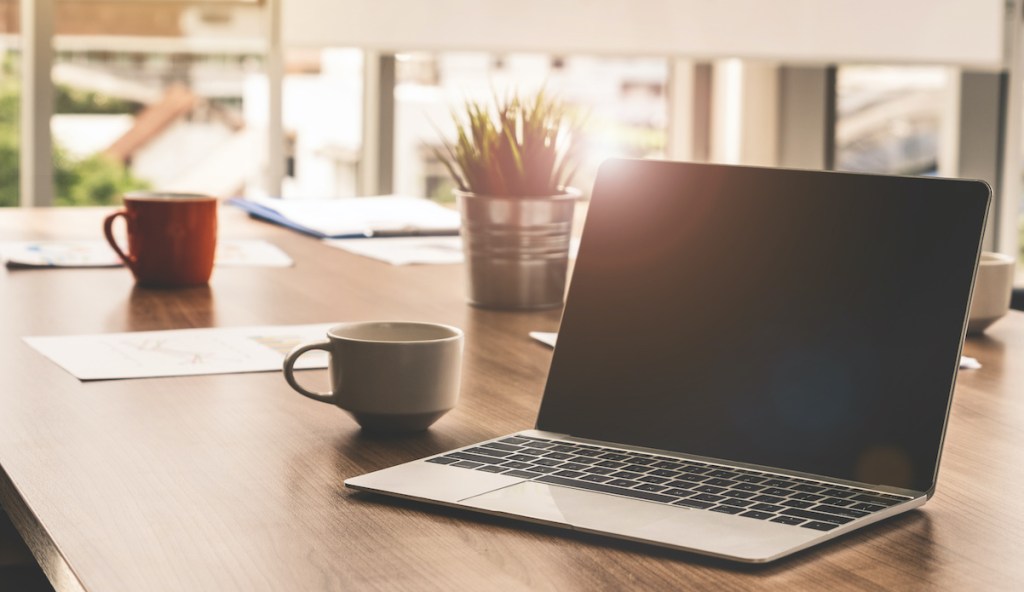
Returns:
point(807, 321)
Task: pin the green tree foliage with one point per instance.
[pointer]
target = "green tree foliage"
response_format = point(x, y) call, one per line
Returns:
point(94, 180)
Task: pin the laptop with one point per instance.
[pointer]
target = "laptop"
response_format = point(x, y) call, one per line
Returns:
point(750, 362)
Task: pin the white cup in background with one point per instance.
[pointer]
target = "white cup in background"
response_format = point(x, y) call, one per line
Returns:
point(992, 290)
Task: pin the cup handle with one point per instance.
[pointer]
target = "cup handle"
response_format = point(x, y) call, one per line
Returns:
point(289, 370)
point(108, 230)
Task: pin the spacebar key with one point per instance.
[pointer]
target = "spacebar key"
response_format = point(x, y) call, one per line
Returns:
point(644, 495)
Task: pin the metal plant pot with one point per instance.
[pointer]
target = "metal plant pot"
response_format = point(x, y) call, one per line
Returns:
point(517, 248)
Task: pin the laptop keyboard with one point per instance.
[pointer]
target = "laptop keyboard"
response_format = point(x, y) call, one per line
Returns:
point(688, 483)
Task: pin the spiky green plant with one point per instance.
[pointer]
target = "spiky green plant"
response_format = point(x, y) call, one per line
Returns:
point(523, 148)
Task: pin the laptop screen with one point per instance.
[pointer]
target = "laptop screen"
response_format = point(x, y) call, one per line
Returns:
point(810, 321)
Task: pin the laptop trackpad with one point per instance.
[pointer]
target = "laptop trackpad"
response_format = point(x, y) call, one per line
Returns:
point(570, 506)
point(709, 532)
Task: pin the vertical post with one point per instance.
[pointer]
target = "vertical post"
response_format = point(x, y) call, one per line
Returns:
point(275, 103)
point(1007, 214)
point(807, 117)
point(36, 168)
point(376, 162)
point(980, 150)
point(745, 124)
point(689, 96)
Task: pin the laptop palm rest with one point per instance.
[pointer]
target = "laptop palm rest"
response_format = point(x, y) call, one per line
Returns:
point(706, 532)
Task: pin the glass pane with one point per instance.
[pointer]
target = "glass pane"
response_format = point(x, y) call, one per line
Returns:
point(10, 97)
point(889, 119)
point(154, 95)
point(623, 101)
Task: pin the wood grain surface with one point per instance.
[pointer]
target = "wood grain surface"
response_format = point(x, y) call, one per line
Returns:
point(234, 482)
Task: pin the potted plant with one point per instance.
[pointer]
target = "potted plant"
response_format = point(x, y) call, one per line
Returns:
point(513, 165)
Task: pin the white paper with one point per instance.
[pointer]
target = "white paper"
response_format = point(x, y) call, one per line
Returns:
point(544, 337)
point(367, 216)
point(182, 352)
point(97, 253)
point(968, 363)
point(404, 250)
point(421, 250)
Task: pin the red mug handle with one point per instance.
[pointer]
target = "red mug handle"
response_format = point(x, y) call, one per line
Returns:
point(108, 228)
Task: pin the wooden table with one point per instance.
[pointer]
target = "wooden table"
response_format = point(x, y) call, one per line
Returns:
point(234, 482)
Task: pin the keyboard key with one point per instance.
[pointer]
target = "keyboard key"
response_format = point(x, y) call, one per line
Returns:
point(467, 464)
point(514, 441)
point(547, 462)
point(819, 525)
point(738, 494)
point(757, 515)
point(542, 469)
point(643, 460)
point(677, 492)
point(878, 500)
point(492, 469)
point(667, 464)
point(727, 509)
point(777, 491)
point(558, 455)
point(708, 497)
point(653, 479)
point(792, 503)
point(779, 483)
point(747, 487)
point(692, 503)
point(442, 460)
point(698, 470)
point(635, 468)
point(539, 444)
point(708, 489)
point(501, 446)
point(571, 466)
point(651, 487)
point(723, 474)
point(623, 483)
point(819, 516)
point(570, 474)
point(583, 459)
point(522, 474)
point(664, 473)
point(479, 458)
point(514, 464)
point(788, 520)
point(836, 501)
point(605, 488)
point(599, 470)
point(768, 499)
point(488, 452)
point(841, 511)
point(767, 508)
point(521, 457)
point(749, 478)
point(719, 482)
point(531, 451)
point(810, 497)
point(614, 456)
point(692, 478)
point(808, 488)
point(861, 506)
point(837, 493)
point(739, 503)
point(589, 452)
point(611, 464)
point(627, 475)
point(596, 478)
point(563, 448)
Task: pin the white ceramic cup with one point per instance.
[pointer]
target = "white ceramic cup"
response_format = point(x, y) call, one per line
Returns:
point(391, 376)
point(992, 290)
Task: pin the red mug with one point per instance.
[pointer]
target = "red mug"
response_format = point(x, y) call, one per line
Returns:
point(172, 238)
